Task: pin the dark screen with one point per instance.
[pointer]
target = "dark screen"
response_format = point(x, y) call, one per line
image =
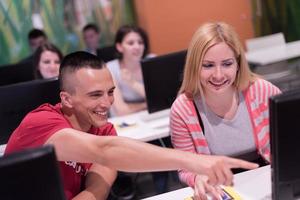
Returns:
point(107, 53)
point(15, 73)
point(18, 99)
point(162, 78)
point(31, 174)
point(285, 144)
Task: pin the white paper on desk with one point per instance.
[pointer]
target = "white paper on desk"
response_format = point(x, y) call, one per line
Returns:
point(255, 187)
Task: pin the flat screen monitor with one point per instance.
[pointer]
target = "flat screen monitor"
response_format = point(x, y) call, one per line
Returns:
point(15, 73)
point(17, 100)
point(162, 79)
point(31, 174)
point(285, 145)
point(107, 53)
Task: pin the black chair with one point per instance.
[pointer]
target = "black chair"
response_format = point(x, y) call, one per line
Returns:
point(107, 53)
point(15, 73)
point(17, 100)
point(31, 174)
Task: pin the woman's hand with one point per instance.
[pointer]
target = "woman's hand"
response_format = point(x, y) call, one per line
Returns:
point(128, 77)
point(202, 187)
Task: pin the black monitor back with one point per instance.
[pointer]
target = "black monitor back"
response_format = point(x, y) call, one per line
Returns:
point(162, 78)
point(15, 73)
point(107, 53)
point(31, 174)
point(18, 99)
point(285, 145)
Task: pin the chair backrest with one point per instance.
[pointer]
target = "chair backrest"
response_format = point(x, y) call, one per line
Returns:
point(15, 73)
point(107, 53)
point(265, 41)
point(31, 174)
point(17, 100)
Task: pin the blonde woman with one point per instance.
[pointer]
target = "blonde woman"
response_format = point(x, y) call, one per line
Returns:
point(222, 107)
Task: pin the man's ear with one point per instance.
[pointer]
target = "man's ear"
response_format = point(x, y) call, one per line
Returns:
point(66, 99)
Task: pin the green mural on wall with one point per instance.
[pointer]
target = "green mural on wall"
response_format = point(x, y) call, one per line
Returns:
point(273, 16)
point(62, 20)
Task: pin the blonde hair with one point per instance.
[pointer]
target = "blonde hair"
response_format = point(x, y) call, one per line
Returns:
point(208, 35)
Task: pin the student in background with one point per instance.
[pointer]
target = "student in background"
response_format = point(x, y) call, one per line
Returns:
point(91, 38)
point(85, 142)
point(131, 43)
point(47, 59)
point(231, 102)
point(36, 38)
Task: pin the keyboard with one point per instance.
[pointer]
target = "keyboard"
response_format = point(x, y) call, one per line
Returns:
point(156, 116)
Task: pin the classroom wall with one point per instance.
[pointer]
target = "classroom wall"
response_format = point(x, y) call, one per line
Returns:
point(171, 23)
point(61, 20)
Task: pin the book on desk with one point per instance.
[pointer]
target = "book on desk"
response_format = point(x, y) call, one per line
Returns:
point(228, 194)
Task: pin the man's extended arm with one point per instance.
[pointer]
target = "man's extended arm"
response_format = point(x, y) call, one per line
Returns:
point(133, 156)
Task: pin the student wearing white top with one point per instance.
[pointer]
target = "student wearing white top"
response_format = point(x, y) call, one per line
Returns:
point(131, 43)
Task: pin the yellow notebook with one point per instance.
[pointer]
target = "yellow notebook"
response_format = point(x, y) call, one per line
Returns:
point(232, 193)
point(229, 194)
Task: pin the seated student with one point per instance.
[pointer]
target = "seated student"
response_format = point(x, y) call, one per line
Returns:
point(36, 38)
point(91, 38)
point(46, 61)
point(85, 142)
point(232, 103)
point(131, 43)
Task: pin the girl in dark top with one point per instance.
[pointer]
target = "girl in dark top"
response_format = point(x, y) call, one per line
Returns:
point(47, 59)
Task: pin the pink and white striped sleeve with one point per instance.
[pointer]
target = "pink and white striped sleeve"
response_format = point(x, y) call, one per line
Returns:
point(181, 138)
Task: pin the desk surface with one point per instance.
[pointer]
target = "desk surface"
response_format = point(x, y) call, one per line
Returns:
point(251, 185)
point(274, 54)
point(142, 125)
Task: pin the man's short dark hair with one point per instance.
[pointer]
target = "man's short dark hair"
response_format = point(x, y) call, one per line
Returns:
point(92, 27)
point(75, 61)
point(35, 33)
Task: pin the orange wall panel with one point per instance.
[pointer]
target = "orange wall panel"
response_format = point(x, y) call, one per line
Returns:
point(171, 23)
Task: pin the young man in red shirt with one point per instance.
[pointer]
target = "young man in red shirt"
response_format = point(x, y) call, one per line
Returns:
point(89, 162)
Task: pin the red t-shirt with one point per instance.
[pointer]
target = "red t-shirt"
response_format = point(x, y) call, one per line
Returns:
point(38, 126)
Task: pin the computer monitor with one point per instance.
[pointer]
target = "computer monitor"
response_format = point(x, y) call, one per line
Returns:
point(15, 73)
point(31, 174)
point(107, 53)
point(17, 100)
point(285, 137)
point(162, 79)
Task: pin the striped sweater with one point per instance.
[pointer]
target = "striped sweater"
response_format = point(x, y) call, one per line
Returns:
point(186, 133)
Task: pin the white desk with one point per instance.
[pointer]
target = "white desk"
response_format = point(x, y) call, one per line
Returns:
point(251, 185)
point(143, 126)
point(274, 54)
